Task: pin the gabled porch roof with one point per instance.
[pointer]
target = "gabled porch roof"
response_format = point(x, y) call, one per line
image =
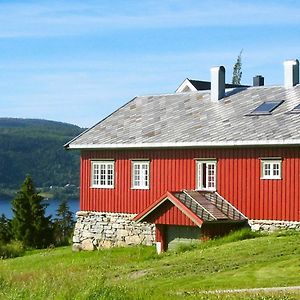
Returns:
point(199, 207)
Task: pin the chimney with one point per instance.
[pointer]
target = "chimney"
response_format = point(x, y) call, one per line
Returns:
point(258, 80)
point(291, 73)
point(217, 83)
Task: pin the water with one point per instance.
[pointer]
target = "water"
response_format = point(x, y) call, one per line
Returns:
point(5, 207)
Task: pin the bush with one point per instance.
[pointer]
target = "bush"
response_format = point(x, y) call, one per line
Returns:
point(13, 249)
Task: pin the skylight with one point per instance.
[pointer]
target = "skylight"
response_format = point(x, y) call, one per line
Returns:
point(266, 108)
point(296, 110)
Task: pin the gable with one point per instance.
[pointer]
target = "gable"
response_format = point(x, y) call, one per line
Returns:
point(190, 85)
point(169, 214)
point(186, 86)
point(190, 208)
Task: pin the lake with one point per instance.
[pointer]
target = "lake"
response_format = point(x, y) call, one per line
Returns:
point(5, 207)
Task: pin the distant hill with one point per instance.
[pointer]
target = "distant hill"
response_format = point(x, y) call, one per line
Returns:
point(35, 147)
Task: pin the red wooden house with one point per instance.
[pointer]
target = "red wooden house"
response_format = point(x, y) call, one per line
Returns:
point(195, 163)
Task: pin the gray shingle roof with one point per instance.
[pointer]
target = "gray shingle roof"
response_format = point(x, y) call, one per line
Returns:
point(209, 206)
point(191, 119)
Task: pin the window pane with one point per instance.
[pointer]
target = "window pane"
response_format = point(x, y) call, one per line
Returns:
point(271, 169)
point(276, 169)
point(103, 174)
point(211, 176)
point(199, 176)
point(203, 173)
point(296, 109)
point(267, 169)
point(266, 107)
point(140, 175)
point(206, 175)
point(95, 174)
point(110, 176)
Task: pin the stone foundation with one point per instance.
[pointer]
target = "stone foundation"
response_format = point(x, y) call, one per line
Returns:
point(271, 225)
point(95, 230)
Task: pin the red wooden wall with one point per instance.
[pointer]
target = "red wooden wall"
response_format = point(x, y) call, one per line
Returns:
point(238, 180)
point(168, 214)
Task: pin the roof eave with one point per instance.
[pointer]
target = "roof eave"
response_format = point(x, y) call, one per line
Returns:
point(186, 144)
point(67, 145)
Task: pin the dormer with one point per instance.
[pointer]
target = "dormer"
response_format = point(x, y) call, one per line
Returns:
point(186, 86)
point(191, 85)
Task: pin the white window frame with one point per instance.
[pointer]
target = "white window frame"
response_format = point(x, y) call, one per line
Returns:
point(272, 163)
point(143, 179)
point(199, 174)
point(105, 165)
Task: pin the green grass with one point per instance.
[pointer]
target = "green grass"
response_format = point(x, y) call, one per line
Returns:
point(138, 273)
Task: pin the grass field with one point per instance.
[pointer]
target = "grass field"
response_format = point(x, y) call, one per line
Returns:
point(138, 273)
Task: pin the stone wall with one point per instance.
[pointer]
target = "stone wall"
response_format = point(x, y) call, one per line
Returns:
point(271, 225)
point(94, 230)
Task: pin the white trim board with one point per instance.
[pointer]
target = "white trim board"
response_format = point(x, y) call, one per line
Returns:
point(186, 84)
point(187, 144)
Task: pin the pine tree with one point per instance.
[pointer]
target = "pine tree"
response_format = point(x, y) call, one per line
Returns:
point(29, 224)
point(237, 70)
point(64, 223)
point(5, 229)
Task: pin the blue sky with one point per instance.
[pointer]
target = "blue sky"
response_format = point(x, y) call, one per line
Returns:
point(77, 61)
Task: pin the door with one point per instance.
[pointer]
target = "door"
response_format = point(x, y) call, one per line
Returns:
point(177, 235)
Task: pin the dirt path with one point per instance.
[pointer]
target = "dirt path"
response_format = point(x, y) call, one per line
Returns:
point(271, 289)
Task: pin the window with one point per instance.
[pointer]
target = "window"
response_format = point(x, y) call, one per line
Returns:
point(271, 168)
point(266, 108)
point(295, 110)
point(102, 174)
point(140, 174)
point(206, 175)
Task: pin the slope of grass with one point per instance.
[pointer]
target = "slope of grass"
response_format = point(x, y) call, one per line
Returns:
point(138, 273)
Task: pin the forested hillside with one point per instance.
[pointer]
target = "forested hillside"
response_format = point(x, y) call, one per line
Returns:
point(35, 147)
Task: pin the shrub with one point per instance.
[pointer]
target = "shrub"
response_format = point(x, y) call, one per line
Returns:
point(13, 249)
